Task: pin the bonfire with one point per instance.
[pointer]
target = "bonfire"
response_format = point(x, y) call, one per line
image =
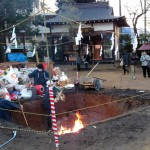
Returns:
point(78, 125)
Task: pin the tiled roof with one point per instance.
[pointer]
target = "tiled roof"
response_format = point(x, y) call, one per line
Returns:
point(87, 12)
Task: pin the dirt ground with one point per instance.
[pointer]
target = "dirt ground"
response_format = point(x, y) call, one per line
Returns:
point(128, 132)
point(113, 75)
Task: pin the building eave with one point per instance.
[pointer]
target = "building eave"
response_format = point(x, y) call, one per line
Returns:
point(120, 21)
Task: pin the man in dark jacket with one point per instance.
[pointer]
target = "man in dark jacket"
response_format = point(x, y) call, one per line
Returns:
point(86, 60)
point(79, 62)
point(125, 62)
point(133, 63)
point(5, 104)
point(40, 76)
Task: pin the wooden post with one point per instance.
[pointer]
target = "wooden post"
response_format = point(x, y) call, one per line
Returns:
point(46, 34)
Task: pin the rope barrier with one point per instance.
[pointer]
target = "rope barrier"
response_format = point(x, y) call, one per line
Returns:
point(120, 100)
point(28, 113)
point(90, 124)
point(23, 129)
point(95, 45)
point(116, 117)
point(48, 44)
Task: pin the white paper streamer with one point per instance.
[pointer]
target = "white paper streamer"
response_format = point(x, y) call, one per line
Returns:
point(87, 49)
point(34, 51)
point(79, 35)
point(116, 50)
point(55, 49)
point(135, 42)
point(112, 41)
point(101, 49)
point(8, 50)
point(13, 38)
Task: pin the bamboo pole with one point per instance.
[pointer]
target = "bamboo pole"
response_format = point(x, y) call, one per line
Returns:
point(92, 69)
point(46, 34)
point(22, 112)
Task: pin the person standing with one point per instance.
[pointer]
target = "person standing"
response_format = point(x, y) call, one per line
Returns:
point(145, 59)
point(40, 76)
point(79, 62)
point(125, 62)
point(76, 82)
point(86, 60)
point(41, 54)
point(133, 63)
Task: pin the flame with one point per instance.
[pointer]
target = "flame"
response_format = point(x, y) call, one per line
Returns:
point(77, 126)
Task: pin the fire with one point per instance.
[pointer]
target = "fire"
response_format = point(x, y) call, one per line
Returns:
point(77, 126)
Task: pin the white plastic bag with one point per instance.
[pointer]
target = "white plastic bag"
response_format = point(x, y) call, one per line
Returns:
point(121, 63)
point(17, 72)
point(63, 77)
point(11, 77)
point(25, 93)
point(20, 87)
point(7, 96)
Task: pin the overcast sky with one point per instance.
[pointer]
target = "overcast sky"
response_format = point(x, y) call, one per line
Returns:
point(132, 4)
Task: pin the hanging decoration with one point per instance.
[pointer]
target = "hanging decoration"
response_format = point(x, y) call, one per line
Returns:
point(79, 35)
point(8, 50)
point(55, 51)
point(87, 49)
point(80, 32)
point(89, 38)
point(13, 38)
point(34, 51)
point(116, 50)
point(101, 50)
point(76, 40)
point(112, 41)
point(61, 37)
point(101, 36)
point(134, 42)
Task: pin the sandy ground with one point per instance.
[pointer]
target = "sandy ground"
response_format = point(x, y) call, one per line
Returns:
point(113, 75)
point(130, 132)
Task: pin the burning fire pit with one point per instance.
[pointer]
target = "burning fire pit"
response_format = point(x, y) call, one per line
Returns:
point(77, 126)
point(80, 109)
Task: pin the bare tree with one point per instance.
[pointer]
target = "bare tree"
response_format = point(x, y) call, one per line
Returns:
point(138, 11)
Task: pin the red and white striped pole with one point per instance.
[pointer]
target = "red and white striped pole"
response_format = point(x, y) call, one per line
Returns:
point(53, 115)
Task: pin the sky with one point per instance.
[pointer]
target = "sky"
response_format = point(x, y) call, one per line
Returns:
point(115, 4)
point(130, 4)
point(50, 3)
